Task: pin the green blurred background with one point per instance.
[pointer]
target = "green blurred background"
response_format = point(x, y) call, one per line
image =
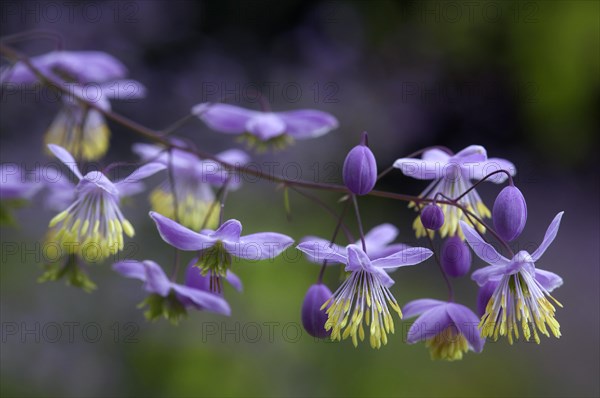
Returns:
point(520, 78)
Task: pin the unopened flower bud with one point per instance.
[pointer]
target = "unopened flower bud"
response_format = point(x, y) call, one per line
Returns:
point(360, 169)
point(432, 217)
point(455, 257)
point(313, 317)
point(509, 213)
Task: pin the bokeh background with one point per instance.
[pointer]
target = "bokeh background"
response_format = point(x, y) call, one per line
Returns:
point(520, 78)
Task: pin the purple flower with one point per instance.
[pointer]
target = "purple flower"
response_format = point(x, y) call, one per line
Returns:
point(167, 298)
point(365, 294)
point(360, 168)
point(67, 66)
point(452, 176)
point(455, 257)
point(94, 219)
point(83, 131)
point(265, 126)
point(216, 248)
point(378, 242)
point(193, 178)
point(89, 75)
point(313, 316)
point(509, 213)
point(521, 295)
point(448, 329)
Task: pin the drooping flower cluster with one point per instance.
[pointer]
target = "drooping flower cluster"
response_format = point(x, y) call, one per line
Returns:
point(452, 175)
point(514, 295)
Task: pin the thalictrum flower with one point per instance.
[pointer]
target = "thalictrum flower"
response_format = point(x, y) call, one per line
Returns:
point(167, 298)
point(94, 219)
point(448, 329)
point(364, 295)
point(93, 76)
point(192, 180)
point(82, 130)
point(216, 248)
point(452, 176)
point(277, 128)
point(522, 292)
point(378, 242)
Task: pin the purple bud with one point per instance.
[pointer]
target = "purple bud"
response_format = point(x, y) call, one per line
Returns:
point(455, 257)
point(509, 213)
point(432, 217)
point(484, 295)
point(313, 318)
point(360, 168)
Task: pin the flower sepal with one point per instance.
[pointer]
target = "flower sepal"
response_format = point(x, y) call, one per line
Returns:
point(168, 307)
point(72, 272)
